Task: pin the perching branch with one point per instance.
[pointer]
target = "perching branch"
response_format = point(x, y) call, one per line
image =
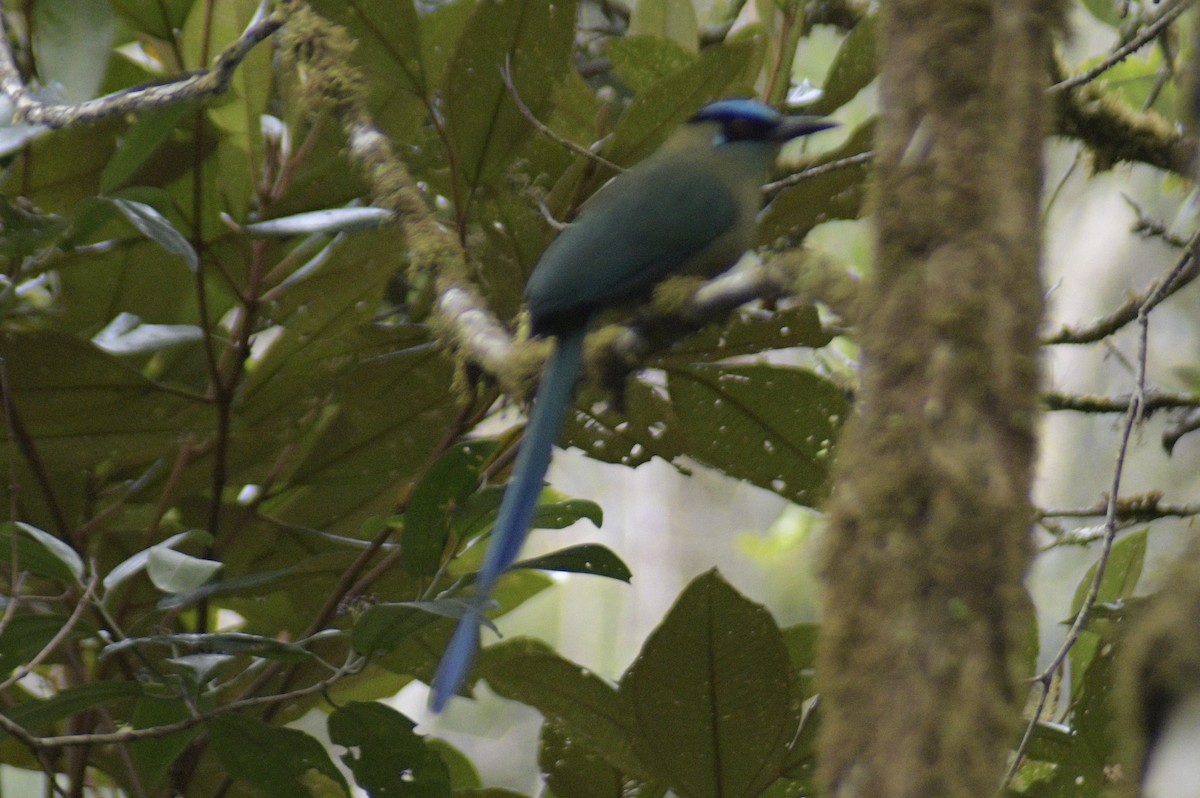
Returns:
point(1146, 35)
point(205, 83)
point(126, 735)
point(1083, 403)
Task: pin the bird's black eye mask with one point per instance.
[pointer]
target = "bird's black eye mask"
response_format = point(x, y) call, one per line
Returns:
point(744, 129)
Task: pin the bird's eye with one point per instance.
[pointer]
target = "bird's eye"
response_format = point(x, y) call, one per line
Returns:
point(742, 129)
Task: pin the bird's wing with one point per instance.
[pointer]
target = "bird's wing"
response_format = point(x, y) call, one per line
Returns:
point(649, 223)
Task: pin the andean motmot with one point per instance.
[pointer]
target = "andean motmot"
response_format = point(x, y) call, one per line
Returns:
point(690, 208)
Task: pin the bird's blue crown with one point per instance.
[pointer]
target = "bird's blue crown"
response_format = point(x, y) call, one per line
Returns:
point(726, 111)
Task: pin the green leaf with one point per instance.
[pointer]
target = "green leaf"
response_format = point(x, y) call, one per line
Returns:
point(1105, 11)
point(674, 20)
point(26, 636)
point(278, 762)
point(155, 755)
point(388, 49)
point(27, 232)
point(1135, 79)
point(555, 513)
point(433, 506)
point(387, 758)
point(38, 714)
point(73, 42)
point(382, 627)
point(838, 194)
point(141, 141)
point(137, 562)
point(774, 427)
point(126, 335)
point(801, 642)
point(441, 30)
point(477, 513)
point(655, 113)
point(646, 428)
point(571, 768)
point(159, 18)
point(175, 572)
point(642, 61)
point(483, 124)
point(90, 408)
point(750, 332)
point(40, 553)
point(463, 775)
point(852, 70)
point(154, 226)
point(588, 558)
point(710, 694)
point(327, 222)
point(237, 586)
point(580, 703)
point(1121, 576)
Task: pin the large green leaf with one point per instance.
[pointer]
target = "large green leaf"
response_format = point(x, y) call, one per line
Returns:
point(774, 427)
point(387, 758)
point(837, 194)
point(38, 714)
point(39, 553)
point(533, 38)
point(581, 704)
point(646, 427)
point(432, 508)
point(671, 20)
point(710, 695)
point(852, 70)
point(155, 755)
point(750, 332)
point(83, 407)
point(656, 112)
point(387, 37)
point(588, 558)
point(1121, 576)
point(279, 763)
point(27, 635)
point(159, 18)
point(72, 43)
point(572, 768)
point(642, 61)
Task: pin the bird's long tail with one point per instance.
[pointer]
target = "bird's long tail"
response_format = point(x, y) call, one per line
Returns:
point(516, 508)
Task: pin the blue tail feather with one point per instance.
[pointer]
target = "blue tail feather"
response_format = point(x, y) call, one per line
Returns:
point(516, 508)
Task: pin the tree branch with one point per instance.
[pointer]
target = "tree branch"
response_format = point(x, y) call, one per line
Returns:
point(26, 108)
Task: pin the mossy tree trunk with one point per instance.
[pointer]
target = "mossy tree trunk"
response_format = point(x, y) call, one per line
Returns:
point(931, 516)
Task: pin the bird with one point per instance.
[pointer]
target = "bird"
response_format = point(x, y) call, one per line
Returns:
point(689, 208)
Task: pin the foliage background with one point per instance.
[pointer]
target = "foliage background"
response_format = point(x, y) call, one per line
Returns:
point(234, 475)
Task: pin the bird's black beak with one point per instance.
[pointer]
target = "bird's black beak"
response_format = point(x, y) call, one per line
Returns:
point(791, 127)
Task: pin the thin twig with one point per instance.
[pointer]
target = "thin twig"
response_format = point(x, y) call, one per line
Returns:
point(39, 744)
point(14, 600)
point(1144, 37)
point(26, 445)
point(860, 159)
point(1126, 511)
point(531, 117)
point(1182, 274)
point(1133, 414)
point(59, 636)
